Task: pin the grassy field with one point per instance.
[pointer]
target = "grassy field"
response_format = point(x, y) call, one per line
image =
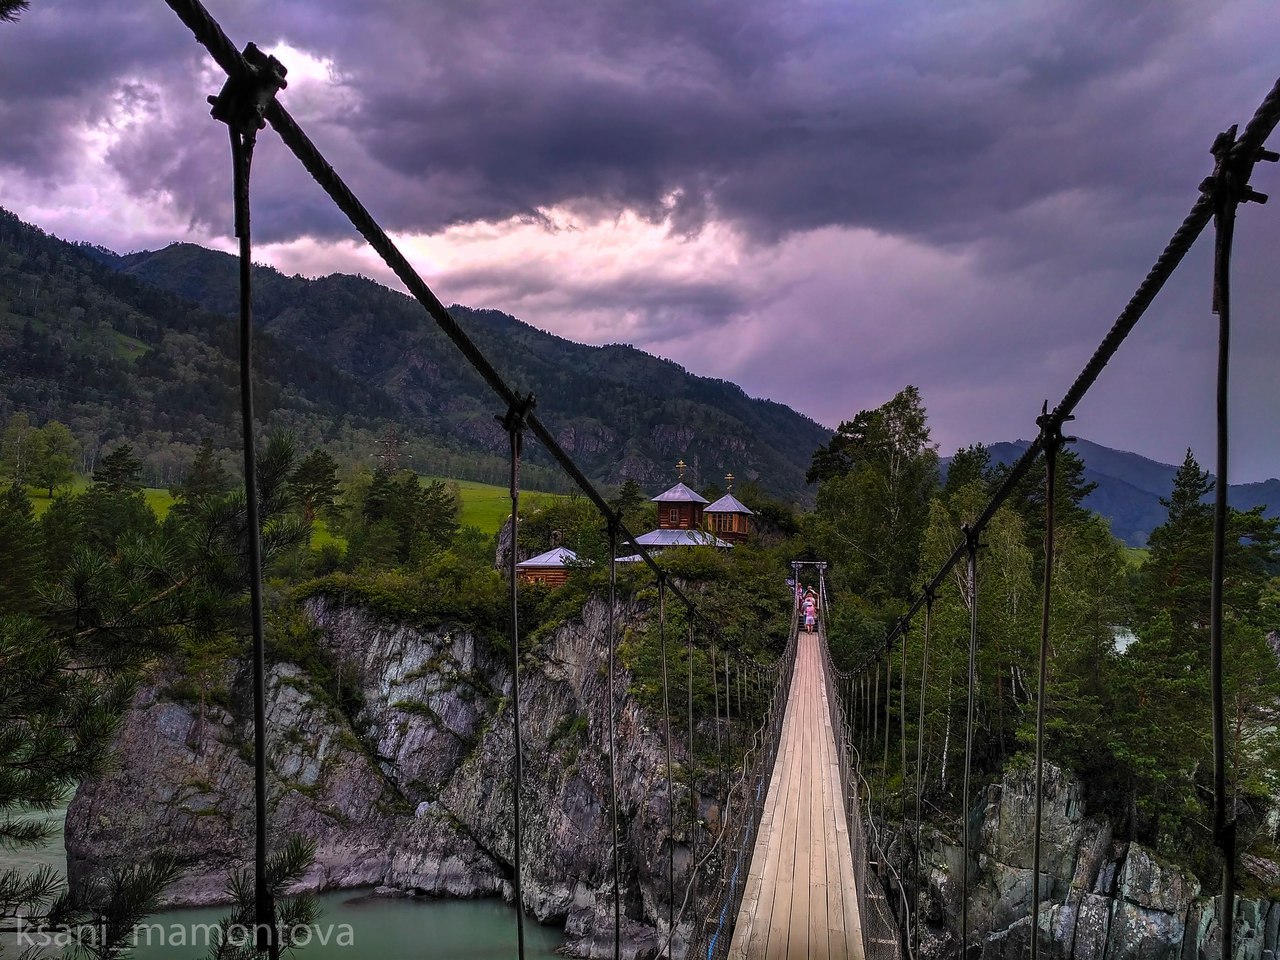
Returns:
point(484, 506)
point(487, 506)
point(1136, 556)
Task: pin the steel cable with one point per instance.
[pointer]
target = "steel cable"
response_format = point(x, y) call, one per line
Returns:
point(1225, 195)
point(242, 144)
point(613, 765)
point(514, 422)
point(924, 680)
point(1050, 496)
point(971, 549)
point(671, 793)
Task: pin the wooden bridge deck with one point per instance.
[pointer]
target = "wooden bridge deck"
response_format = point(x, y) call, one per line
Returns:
point(800, 902)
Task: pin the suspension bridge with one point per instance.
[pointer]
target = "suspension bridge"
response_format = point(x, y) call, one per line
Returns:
point(800, 863)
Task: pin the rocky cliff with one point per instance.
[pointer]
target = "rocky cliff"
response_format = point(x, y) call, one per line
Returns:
point(1103, 899)
point(411, 789)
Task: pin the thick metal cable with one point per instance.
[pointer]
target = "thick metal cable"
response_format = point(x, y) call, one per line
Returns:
point(1246, 151)
point(728, 718)
point(210, 35)
point(671, 792)
point(971, 549)
point(924, 680)
point(514, 422)
point(884, 761)
point(693, 758)
point(1051, 446)
point(1225, 197)
point(902, 727)
point(613, 764)
point(715, 691)
point(264, 907)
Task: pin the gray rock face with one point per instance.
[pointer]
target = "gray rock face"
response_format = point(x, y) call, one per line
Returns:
point(1101, 900)
point(413, 792)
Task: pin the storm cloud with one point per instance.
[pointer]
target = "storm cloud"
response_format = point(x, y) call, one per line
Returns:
point(820, 200)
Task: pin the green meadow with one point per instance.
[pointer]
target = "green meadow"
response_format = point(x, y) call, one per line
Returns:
point(484, 505)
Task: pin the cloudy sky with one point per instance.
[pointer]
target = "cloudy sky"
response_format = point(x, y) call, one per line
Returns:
point(822, 200)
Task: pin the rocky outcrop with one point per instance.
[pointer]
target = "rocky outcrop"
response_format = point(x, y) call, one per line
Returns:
point(1101, 899)
point(409, 787)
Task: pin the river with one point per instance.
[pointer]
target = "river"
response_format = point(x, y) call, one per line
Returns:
point(352, 925)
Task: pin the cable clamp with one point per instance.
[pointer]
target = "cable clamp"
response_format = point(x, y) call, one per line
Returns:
point(243, 100)
point(517, 415)
point(1050, 424)
point(1229, 182)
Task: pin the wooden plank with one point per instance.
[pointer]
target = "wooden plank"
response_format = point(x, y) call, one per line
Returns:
point(800, 900)
point(781, 923)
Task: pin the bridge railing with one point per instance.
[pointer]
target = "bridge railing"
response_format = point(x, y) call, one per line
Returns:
point(885, 922)
point(1219, 197)
point(247, 104)
point(725, 867)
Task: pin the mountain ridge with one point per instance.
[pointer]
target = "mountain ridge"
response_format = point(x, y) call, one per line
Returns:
point(77, 313)
point(1130, 487)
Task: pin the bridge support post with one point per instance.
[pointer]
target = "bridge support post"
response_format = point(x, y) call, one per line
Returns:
point(1228, 187)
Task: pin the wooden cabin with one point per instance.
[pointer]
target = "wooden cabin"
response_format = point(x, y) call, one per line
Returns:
point(550, 568)
point(679, 508)
point(729, 519)
point(680, 520)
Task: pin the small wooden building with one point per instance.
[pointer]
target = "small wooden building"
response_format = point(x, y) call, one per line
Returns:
point(679, 508)
point(680, 520)
point(729, 518)
point(550, 568)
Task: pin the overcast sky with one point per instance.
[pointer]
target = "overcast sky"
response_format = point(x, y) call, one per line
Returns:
point(822, 201)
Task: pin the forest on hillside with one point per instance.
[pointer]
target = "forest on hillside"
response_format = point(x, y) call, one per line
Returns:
point(1127, 704)
point(141, 348)
point(102, 597)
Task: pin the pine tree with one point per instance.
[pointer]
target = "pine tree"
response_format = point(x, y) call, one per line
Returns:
point(205, 480)
point(10, 9)
point(53, 456)
point(20, 565)
point(870, 518)
point(119, 471)
point(1175, 577)
point(315, 484)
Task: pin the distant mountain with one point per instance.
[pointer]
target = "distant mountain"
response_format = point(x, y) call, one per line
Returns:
point(93, 332)
point(1130, 487)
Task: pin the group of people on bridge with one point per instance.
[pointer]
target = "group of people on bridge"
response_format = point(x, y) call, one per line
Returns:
point(807, 604)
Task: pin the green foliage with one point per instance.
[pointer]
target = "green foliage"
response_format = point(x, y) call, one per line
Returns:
point(445, 588)
point(109, 909)
point(400, 520)
point(284, 869)
point(205, 480)
point(1134, 725)
point(315, 484)
point(139, 346)
point(20, 560)
point(875, 480)
point(53, 456)
point(119, 471)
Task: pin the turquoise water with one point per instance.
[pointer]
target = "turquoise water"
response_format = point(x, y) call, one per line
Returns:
point(353, 925)
point(380, 929)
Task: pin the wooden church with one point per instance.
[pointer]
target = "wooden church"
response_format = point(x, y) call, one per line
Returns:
point(682, 521)
point(729, 518)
